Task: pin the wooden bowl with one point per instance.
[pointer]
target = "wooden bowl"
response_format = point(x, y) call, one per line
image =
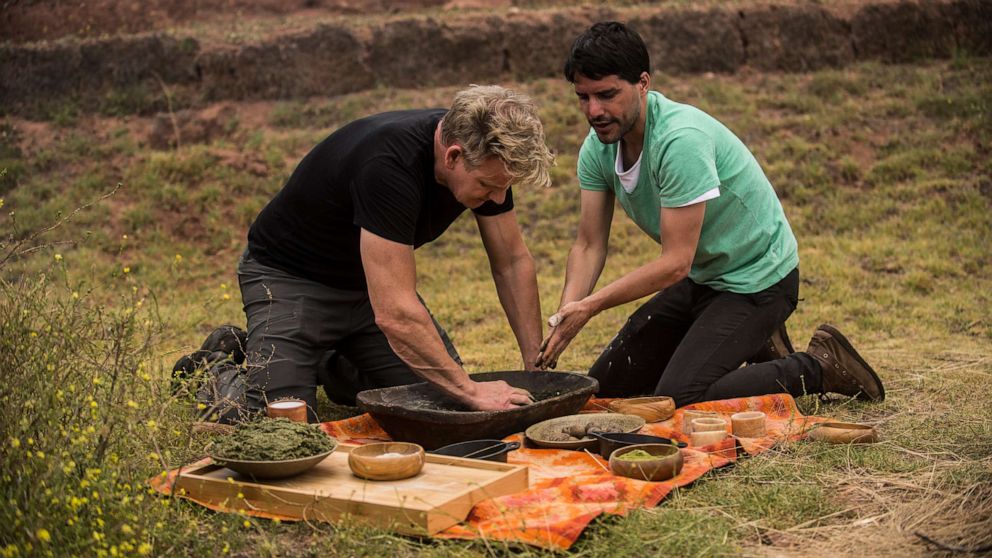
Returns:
point(560, 433)
point(667, 462)
point(844, 433)
point(701, 438)
point(709, 424)
point(651, 409)
point(748, 424)
point(691, 414)
point(272, 469)
point(609, 442)
point(386, 461)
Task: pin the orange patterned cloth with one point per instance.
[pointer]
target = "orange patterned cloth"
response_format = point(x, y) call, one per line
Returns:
point(568, 489)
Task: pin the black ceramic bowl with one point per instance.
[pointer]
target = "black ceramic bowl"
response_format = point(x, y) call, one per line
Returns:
point(612, 441)
point(490, 450)
point(420, 413)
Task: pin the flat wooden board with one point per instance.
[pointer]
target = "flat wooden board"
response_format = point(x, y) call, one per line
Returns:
point(440, 496)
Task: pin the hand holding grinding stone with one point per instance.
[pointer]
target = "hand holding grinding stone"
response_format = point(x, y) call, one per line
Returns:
point(565, 325)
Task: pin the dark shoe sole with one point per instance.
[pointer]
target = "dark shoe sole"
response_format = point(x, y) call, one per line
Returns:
point(850, 349)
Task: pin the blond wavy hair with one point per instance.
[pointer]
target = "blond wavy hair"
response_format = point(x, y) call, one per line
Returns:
point(492, 121)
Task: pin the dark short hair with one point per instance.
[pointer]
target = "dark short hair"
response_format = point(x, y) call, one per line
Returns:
point(605, 49)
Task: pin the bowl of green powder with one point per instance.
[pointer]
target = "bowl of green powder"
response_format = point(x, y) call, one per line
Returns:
point(649, 462)
point(272, 448)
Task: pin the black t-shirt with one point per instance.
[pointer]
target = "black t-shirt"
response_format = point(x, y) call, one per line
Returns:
point(376, 173)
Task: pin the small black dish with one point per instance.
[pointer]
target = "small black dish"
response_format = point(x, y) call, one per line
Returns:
point(612, 441)
point(489, 450)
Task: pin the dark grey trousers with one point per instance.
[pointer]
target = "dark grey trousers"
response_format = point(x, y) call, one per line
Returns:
point(302, 334)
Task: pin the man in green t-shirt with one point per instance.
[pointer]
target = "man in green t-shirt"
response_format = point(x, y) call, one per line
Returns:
point(727, 277)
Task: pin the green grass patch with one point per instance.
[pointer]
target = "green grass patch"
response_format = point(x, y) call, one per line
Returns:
point(884, 174)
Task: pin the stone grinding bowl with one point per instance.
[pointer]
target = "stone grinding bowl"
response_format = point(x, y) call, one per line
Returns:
point(263, 470)
point(552, 433)
point(421, 414)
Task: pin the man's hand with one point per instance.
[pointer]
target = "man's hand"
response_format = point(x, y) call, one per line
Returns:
point(565, 325)
point(497, 396)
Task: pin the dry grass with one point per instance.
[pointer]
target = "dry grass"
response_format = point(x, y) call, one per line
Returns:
point(936, 499)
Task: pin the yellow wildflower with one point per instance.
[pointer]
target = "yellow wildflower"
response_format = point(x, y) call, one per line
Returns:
point(15, 443)
point(127, 269)
point(43, 535)
point(58, 257)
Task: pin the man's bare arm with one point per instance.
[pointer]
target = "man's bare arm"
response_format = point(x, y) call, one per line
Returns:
point(680, 229)
point(587, 256)
point(516, 281)
point(390, 271)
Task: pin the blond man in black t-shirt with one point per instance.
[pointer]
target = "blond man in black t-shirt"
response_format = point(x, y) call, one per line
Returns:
point(330, 268)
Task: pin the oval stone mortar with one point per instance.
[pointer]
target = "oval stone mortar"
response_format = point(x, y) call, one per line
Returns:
point(421, 414)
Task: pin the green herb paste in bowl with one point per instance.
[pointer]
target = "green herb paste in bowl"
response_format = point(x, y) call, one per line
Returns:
point(272, 440)
point(637, 455)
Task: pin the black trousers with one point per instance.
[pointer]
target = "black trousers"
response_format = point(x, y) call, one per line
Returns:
point(689, 341)
point(302, 334)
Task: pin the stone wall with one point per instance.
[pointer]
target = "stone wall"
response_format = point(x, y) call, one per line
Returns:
point(422, 51)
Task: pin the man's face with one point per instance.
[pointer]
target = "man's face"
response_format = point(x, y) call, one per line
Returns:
point(611, 105)
point(472, 188)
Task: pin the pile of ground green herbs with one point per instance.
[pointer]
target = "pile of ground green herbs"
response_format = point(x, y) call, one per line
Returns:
point(272, 440)
point(638, 455)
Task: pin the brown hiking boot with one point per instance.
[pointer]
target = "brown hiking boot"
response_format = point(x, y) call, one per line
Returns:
point(777, 346)
point(844, 371)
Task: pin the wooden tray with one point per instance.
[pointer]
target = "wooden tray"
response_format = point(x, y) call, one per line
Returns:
point(437, 498)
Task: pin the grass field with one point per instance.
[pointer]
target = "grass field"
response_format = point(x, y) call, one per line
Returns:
point(884, 172)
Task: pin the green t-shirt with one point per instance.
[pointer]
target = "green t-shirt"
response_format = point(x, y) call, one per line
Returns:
point(746, 244)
